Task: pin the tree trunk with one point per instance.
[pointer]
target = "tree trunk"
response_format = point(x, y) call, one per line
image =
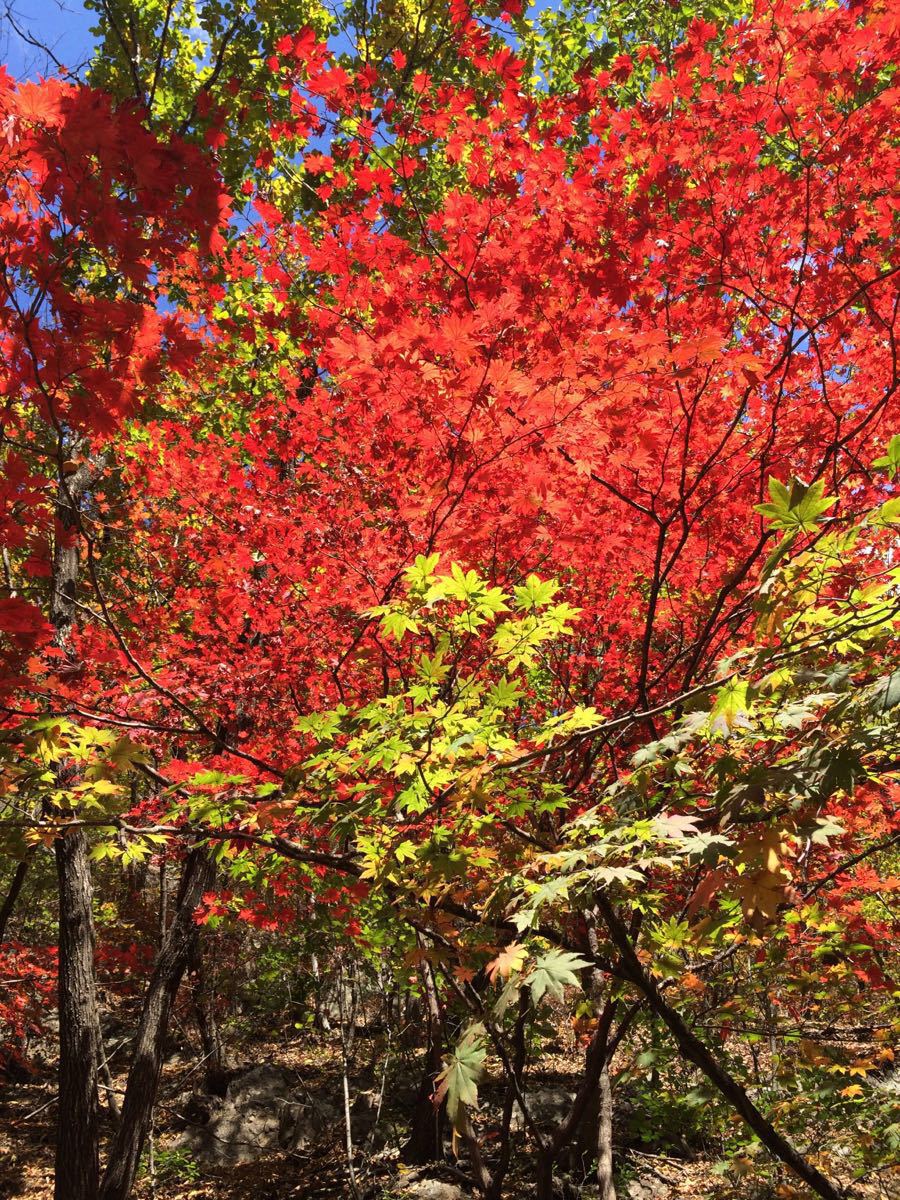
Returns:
point(205, 1016)
point(696, 1052)
point(470, 1139)
point(517, 1063)
point(12, 896)
point(320, 1016)
point(77, 1141)
point(595, 1062)
point(544, 1177)
point(163, 916)
point(605, 1186)
point(143, 1077)
point(106, 1082)
point(426, 1138)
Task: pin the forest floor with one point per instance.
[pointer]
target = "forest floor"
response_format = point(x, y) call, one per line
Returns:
point(318, 1170)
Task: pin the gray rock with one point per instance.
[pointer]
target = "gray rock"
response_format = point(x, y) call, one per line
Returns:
point(640, 1190)
point(430, 1189)
point(547, 1106)
point(647, 1188)
point(262, 1111)
point(888, 1083)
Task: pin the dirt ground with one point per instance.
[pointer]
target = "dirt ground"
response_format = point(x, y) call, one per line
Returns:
point(318, 1172)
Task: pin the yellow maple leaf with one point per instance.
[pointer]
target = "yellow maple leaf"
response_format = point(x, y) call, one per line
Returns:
point(763, 882)
point(860, 1068)
point(509, 959)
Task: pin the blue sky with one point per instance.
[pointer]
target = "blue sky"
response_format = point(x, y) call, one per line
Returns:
point(62, 25)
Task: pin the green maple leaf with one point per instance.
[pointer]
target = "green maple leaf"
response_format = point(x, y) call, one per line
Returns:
point(888, 513)
point(553, 972)
point(731, 707)
point(796, 507)
point(535, 593)
point(458, 1081)
point(890, 462)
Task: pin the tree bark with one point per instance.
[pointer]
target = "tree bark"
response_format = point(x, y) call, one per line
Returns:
point(426, 1138)
point(606, 1188)
point(320, 1016)
point(700, 1055)
point(106, 1081)
point(77, 1141)
point(594, 1064)
point(519, 1050)
point(12, 896)
point(544, 1178)
point(205, 1015)
point(143, 1077)
point(163, 899)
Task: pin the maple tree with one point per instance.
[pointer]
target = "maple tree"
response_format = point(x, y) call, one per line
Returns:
point(284, 495)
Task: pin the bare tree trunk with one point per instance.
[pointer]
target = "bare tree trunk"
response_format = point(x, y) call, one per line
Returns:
point(320, 1016)
point(426, 1138)
point(595, 1061)
point(12, 895)
point(163, 899)
point(205, 1014)
point(498, 1175)
point(605, 1185)
point(143, 1078)
point(106, 1080)
point(77, 1141)
point(544, 1177)
point(346, 1050)
point(598, 1121)
point(696, 1052)
point(473, 1148)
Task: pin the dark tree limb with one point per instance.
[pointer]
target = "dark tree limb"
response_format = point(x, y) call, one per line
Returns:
point(606, 1187)
point(700, 1055)
point(143, 1077)
point(77, 1143)
point(77, 1168)
point(12, 895)
point(513, 1087)
point(426, 1136)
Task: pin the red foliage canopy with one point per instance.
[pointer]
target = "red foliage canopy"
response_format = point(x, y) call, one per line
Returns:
point(584, 356)
point(579, 346)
